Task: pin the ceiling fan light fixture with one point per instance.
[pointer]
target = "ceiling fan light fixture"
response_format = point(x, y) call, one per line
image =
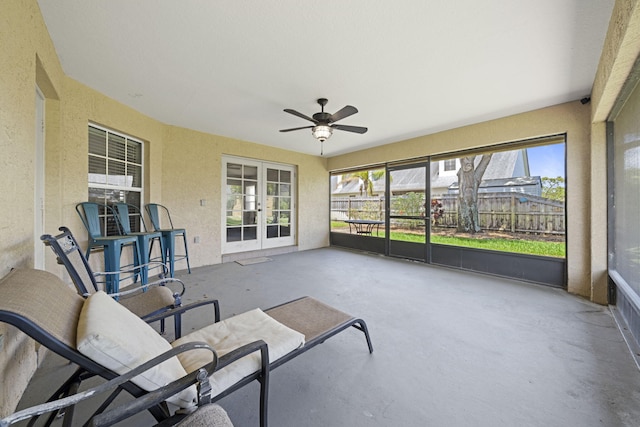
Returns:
point(322, 132)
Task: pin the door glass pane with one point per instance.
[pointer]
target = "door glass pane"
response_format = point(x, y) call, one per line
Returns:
point(250, 172)
point(272, 174)
point(234, 234)
point(234, 186)
point(273, 218)
point(272, 231)
point(249, 218)
point(250, 203)
point(249, 233)
point(234, 218)
point(234, 170)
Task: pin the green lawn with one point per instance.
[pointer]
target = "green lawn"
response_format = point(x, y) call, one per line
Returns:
point(532, 247)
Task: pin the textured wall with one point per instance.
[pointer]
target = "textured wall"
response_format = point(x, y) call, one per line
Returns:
point(27, 57)
point(619, 53)
point(192, 171)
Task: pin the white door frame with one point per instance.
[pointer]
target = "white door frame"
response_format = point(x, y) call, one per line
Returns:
point(257, 206)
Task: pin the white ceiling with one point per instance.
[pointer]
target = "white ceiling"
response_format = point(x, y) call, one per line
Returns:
point(412, 67)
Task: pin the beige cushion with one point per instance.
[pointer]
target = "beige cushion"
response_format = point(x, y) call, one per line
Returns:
point(210, 415)
point(117, 339)
point(232, 333)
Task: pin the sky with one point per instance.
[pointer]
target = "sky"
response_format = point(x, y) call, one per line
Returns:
point(547, 160)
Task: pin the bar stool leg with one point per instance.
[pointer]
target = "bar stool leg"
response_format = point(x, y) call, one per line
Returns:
point(143, 244)
point(186, 250)
point(112, 264)
point(170, 247)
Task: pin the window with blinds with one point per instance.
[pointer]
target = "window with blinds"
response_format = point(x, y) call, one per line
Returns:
point(115, 173)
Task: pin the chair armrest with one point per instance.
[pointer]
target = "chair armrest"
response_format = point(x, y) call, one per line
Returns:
point(144, 288)
point(199, 376)
point(243, 351)
point(124, 411)
point(154, 317)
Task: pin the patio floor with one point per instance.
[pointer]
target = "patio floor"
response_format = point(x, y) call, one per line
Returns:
point(451, 348)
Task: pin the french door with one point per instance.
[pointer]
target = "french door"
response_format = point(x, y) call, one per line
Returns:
point(258, 205)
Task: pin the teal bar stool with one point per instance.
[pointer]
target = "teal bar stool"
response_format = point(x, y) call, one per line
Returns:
point(169, 235)
point(89, 213)
point(123, 213)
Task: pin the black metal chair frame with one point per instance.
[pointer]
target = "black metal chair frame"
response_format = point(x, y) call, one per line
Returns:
point(346, 321)
point(87, 368)
point(79, 278)
point(200, 378)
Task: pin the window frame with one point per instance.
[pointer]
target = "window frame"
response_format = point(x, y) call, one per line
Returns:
point(108, 227)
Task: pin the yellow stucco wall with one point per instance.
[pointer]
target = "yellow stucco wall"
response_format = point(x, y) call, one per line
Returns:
point(23, 38)
point(183, 166)
point(192, 172)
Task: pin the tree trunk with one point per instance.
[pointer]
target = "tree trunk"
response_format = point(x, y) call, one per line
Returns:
point(469, 178)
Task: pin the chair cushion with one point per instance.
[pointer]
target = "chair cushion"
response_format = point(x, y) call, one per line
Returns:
point(117, 339)
point(232, 333)
point(158, 298)
point(210, 415)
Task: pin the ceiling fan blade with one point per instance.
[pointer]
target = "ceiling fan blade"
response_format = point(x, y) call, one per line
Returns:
point(341, 114)
point(289, 130)
point(302, 116)
point(356, 129)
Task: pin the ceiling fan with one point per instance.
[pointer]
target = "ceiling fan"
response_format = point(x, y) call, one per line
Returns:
point(324, 123)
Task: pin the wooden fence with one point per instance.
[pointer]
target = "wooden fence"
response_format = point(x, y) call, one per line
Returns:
point(512, 212)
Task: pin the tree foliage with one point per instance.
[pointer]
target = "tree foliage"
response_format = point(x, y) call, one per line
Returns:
point(366, 179)
point(553, 188)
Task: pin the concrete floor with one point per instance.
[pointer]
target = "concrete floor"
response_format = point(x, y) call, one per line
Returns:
point(450, 348)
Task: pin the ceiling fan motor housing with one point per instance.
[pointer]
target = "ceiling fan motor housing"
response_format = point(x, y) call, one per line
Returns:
point(322, 117)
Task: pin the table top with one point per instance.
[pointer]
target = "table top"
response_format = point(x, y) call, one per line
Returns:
point(363, 221)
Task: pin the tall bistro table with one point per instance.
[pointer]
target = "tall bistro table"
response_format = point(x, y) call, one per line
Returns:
point(364, 226)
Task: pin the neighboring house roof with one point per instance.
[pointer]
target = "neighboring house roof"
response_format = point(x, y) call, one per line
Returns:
point(522, 184)
point(503, 165)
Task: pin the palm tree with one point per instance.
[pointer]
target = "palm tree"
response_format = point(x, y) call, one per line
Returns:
point(366, 179)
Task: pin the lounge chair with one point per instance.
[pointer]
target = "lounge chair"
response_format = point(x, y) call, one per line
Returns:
point(150, 301)
point(103, 338)
point(205, 413)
